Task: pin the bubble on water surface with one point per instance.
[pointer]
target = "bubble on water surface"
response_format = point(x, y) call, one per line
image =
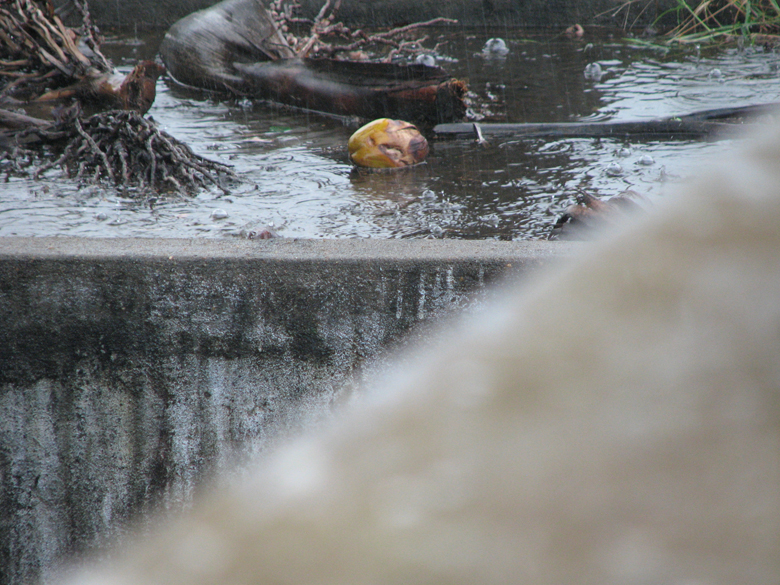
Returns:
point(437, 231)
point(614, 169)
point(593, 72)
point(426, 59)
point(495, 47)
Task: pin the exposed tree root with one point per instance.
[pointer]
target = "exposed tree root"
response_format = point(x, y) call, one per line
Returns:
point(45, 63)
point(118, 147)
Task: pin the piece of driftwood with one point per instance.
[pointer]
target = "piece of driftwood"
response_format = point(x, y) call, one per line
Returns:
point(135, 91)
point(235, 46)
point(696, 125)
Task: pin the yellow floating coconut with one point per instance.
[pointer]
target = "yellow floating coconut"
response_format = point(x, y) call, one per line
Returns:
point(387, 144)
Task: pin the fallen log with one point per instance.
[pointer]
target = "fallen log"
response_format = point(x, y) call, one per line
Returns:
point(200, 50)
point(235, 47)
point(416, 93)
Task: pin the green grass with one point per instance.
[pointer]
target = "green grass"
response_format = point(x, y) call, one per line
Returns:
point(710, 20)
point(715, 20)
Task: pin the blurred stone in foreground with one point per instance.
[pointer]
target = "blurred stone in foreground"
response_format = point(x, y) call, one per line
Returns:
point(617, 423)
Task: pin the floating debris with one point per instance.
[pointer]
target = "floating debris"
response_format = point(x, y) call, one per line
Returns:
point(386, 143)
point(480, 139)
point(575, 31)
point(437, 231)
point(581, 219)
point(264, 234)
point(325, 36)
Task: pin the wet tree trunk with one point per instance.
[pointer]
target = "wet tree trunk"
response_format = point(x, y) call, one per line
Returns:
point(235, 47)
point(416, 93)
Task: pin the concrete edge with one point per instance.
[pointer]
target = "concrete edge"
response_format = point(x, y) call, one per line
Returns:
point(132, 369)
point(281, 249)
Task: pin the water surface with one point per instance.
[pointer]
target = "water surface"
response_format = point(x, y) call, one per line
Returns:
point(298, 181)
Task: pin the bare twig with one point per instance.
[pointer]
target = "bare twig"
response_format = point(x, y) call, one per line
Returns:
point(95, 149)
point(315, 43)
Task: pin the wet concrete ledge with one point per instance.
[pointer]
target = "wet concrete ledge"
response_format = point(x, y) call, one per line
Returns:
point(501, 13)
point(131, 368)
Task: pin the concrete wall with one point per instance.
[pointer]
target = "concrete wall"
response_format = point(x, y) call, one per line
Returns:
point(163, 13)
point(130, 368)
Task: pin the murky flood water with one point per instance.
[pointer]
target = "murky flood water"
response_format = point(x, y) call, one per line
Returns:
point(299, 182)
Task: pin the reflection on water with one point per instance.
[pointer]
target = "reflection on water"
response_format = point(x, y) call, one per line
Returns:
point(299, 183)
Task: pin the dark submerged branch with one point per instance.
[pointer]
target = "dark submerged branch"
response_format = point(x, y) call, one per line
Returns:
point(696, 125)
